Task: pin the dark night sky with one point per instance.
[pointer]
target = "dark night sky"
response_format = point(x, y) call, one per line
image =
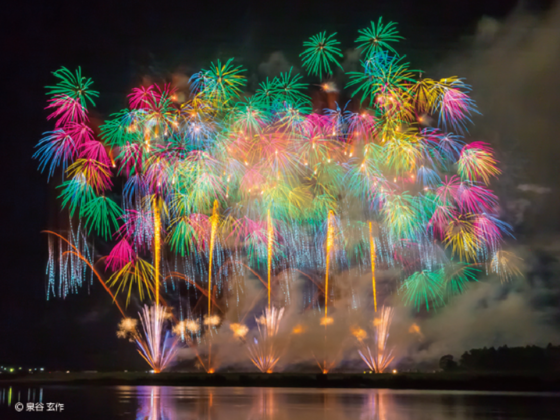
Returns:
point(115, 42)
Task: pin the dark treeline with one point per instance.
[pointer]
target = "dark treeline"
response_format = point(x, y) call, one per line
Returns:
point(530, 358)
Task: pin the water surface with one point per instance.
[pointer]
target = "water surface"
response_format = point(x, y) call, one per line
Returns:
point(193, 403)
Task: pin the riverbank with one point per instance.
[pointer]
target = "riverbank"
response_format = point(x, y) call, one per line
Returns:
point(425, 381)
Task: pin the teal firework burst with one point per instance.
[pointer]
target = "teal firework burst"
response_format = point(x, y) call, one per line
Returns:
point(73, 85)
point(383, 75)
point(265, 94)
point(423, 288)
point(401, 215)
point(125, 126)
point(223, 82)
point(290, 87)
point(75, 193)
point(321, 52)
point(249, 115)
point(457, 275)
point(101, 213)
point(184, 234)
point(378, 37)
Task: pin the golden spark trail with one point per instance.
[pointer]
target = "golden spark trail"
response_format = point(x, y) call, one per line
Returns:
point(372, 250)
point(326, 320)
point(330, 240)
point(214, 225)
point(214, 222)
point(270, 238)
point(157, 246)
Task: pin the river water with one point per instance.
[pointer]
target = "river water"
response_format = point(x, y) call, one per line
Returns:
point(194, 403)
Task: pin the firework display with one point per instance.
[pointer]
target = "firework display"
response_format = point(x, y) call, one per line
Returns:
point(197, 193)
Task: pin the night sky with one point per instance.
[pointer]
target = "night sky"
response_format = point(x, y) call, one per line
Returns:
point(115, 43)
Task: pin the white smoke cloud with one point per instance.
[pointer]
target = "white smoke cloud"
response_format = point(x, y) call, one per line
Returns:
point(534, 188)
point(516, 210)
point(276, 64)
point(489, 314)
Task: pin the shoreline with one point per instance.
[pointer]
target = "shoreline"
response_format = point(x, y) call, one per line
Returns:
point(463, 381)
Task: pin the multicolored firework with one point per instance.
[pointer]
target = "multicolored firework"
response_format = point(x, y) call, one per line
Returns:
point(222, 183)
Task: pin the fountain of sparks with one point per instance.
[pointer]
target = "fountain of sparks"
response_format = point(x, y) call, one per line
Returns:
point(379, 355)
point(265, 350)
point(155, 342)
